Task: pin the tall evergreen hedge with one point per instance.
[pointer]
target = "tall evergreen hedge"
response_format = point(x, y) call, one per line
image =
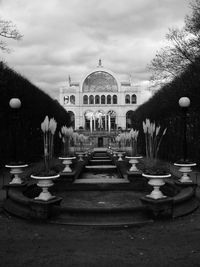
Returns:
point(164, 109)
point(24, 124)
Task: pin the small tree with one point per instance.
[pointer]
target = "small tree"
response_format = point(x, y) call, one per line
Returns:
point(8, 30)
point(183, 49)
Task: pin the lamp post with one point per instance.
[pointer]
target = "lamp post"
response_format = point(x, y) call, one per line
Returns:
point(184, 103)
point(15, 105)
point(185, 166)
point(16, 167)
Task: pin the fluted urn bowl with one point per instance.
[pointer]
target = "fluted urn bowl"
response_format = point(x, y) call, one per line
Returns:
point(133, 161)
point(156, 181)
point(45, 182)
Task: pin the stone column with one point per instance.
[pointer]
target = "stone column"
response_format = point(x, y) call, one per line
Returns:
point(94, 124)
point(109, 123)
point(91, 124)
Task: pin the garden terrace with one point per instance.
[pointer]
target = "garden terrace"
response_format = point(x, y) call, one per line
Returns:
point(101, 204)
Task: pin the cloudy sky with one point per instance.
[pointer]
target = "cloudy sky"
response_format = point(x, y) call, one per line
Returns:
point(62, 37)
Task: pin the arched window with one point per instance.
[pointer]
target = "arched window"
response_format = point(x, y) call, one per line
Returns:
point(97, 99)
point(103, 99)
point(115, 99)
point(133, 99)
point(66, 99)
point(85, 100)
point(71, 119)
point(129, 119)
point(127, 99)
point(91, 99)
point(111, 120)
point(108, 99)
point(72, 99)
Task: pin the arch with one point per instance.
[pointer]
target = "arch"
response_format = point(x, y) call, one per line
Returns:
point(129, 119)
point(114, 99)
point(85, 100)
point(133, 99)
point(71, 119)
point(97, 99)
point(103, 99)
point(111, 120)
point(72, 99)
point(108, 99)
point(127, 99)
point(87, 115)
point(91, 99)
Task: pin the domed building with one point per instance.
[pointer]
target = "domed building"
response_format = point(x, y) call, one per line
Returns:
point(100, 103)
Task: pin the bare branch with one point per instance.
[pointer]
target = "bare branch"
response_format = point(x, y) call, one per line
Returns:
point(8, 30)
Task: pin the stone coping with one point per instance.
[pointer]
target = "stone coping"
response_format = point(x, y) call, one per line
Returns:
point(45, 177)
point(67, 158)
point(16, 166)
point(156, 176)
point(185, 164)
point(100, 167)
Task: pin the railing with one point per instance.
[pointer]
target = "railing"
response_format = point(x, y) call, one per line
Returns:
point(99, 132)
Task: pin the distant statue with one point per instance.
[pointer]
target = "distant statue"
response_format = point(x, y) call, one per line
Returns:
point(100, 63)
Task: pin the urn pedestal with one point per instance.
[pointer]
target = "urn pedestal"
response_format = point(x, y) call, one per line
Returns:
point(120, 155)
point(133, 161)
point(45, 182)
point(156, 181)
point(67, 161)
point(185, 169)
point(80, 155)
point(16, 170)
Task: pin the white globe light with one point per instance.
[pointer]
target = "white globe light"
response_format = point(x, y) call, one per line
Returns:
point(184, 102)
point(15, 103)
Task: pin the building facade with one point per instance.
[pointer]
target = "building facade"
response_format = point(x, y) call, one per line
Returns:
point(100, 101)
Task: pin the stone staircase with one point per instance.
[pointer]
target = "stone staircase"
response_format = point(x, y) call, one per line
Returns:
point(101, 170)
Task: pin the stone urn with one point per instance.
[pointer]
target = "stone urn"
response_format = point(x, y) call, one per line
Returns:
point(45, 182)
point(185, 169)
point(156, 181)
point(16, 170)
point(80, 155)
point(133, 161)
point(67, 161)
point(120, 155)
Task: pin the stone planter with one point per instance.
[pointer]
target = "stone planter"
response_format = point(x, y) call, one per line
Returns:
point(120, 155)
point(185, 169)
point(133, 161)
point(16, 170)
point(156, 181)
point(45, 182)
point(80, 155)
point(67, 161)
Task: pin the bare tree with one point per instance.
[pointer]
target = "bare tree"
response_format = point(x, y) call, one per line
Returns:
point(8, 30)
point(183, 49)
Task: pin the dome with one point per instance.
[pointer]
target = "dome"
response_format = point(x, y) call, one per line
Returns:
point(100, 81)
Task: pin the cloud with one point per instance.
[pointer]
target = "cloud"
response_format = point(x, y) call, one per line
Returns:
point(68, 37)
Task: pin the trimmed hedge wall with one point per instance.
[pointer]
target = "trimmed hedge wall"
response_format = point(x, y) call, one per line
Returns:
point(25, 123)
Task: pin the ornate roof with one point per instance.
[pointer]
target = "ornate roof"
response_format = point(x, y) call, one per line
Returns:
point(100, 81)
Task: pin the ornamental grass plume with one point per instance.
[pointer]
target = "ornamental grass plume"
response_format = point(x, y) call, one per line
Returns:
point(133, 135)
point(66, 134)
point(153, 138)
point(118, 140)
point(82, 139)
point(48, 128)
